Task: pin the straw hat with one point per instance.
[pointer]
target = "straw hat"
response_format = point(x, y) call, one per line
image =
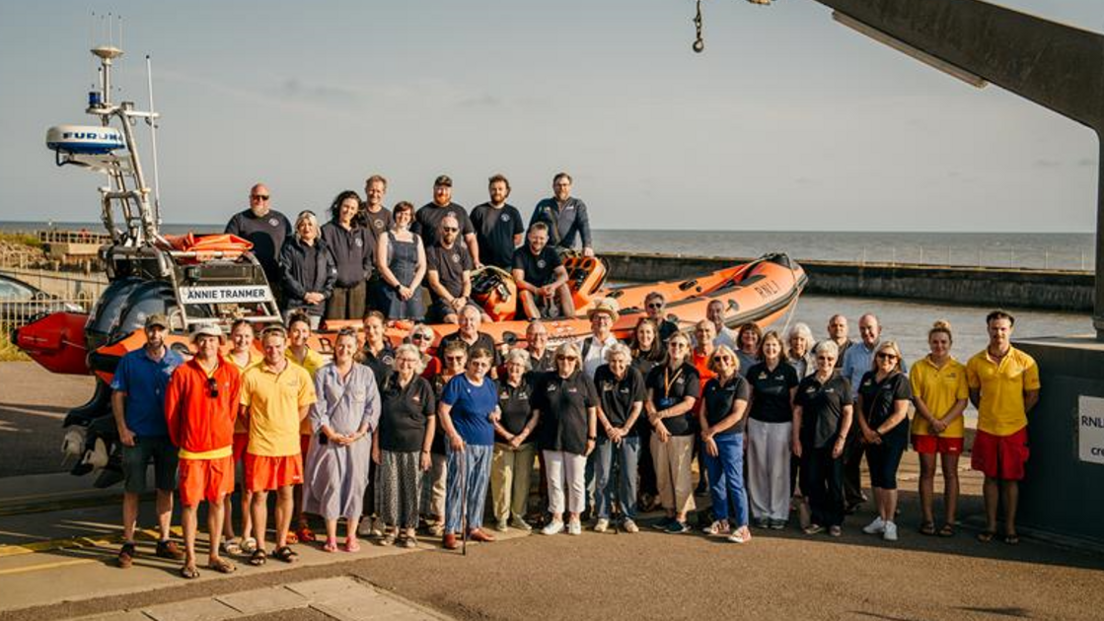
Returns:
point(607, 306)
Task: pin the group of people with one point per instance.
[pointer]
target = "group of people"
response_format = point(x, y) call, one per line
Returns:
point(367, 257)
point(396, 439)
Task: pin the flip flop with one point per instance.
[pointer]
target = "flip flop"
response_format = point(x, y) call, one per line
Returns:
point(330, 545)
point(986, 536)
point(947, 531)
point(352, 545)
point(249, 545)
point(189, 572)
point(222, 566)
point(927, 528)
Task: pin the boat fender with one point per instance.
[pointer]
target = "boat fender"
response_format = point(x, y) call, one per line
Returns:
point(72, 445)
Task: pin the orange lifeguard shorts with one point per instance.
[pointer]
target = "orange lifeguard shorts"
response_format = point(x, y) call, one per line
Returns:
point(264, 473)
point(205, 479)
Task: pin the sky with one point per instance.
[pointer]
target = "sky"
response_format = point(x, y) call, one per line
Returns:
point(787, 121)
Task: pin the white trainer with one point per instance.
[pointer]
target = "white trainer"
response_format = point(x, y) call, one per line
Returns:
point(890, 532)
point(876, 527)
point(554, 527)
point(574, 527)
point(601, 526)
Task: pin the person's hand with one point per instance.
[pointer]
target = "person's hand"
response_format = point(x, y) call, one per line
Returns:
point(426, 461)
point(314, 298)
point(405, 292)
point(938, 425)
point(837, 449)
point(458, 303)
point(479, 265)
point(377, 455)
point(711, 447)
point(614, 434)
point(126, 436)
point(662, 434)
point(706, 435)
point(546, 291)
point(869, 437)
point(588, 252)
point(589, 447)
point(457, 443)
point(495, 416)
point(515, 442)
point(796, 448)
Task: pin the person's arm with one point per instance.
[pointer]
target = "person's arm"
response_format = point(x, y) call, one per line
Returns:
point(592, 429)
point(444, 412)
point(522, 284)
point(433, 279)
point(465, 291)
point(795, 431)
point(583, 222)
point(420, 270)
point(172, 405)
point(118, 403)
point(292, 287)
point(1031, 398)
point(519, 228)
point(370, 421)
point(561, 279)
point(975, 397)
point(867, 433)
point(735, 415)
point(900, 414)
point(845, 428)
point(330, 265)
point(381, 261)
point(678, 409)
point(473, 245)
point(634, 414)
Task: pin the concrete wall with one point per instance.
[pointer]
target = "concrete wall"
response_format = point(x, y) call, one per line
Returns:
point(66, 285)
point(1017, 288)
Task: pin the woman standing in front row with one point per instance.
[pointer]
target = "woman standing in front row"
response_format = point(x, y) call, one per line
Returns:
point(770, 431)
point(884, 397)
point(401, 448)
point(343, 419)
point(647, 352)
point(401, 259)
point(621, 397)
point(821, 418)
point(939, 392)
point(565, 401)
point(514, 450)
point(673, 389)
point(722, 419)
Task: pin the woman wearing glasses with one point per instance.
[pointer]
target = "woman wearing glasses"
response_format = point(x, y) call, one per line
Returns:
point(722, 420)
point(673, 389)
point(821, 418)
point(401, 447)
point(434, 484)
point(401, 259)
point(344, 417)
point(566, 402)
point(468, 411)
point(514, 450)
point(308, 270)
point(421, 337)
point(884, 397)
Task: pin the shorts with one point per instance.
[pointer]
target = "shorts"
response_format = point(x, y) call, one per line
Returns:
point(1000, 457)
point(136, 459)
point(205, 479)
point(883, 460)
point(264, 473)
point(932, 445)
point(241, 442)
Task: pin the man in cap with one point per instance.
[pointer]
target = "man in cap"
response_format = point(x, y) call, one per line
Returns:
point(565, 216)
point(138, 402)
point(201, 404)
point(427, 220)
point(265, 228)
point(540, 275)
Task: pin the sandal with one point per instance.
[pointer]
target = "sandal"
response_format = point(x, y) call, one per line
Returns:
point(927, 528)
point(305, 534)
point(986, 536)
point(249, 545)
point(189, 572)
point(1012, 539)
point(291, 538)
point(330, 545)
point(352, 545)
point(285, 554)
point(258, 558)
point(232, 548)
point(948, 530)
point(222, 566)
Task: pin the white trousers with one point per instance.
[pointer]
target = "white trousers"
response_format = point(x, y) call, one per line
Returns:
point(769, 469)
point(565, 471)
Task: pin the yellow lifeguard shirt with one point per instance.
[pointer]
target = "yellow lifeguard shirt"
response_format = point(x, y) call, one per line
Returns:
point(939, 388)
point(274, 400)
point(311, 362)
point(1001, 408)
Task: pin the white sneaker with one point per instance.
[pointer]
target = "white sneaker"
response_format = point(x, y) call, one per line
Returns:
point(601, 526)
point(574, 527)
point(554, 527)
point(630, 526)
point(890, 532)
point(876, 527)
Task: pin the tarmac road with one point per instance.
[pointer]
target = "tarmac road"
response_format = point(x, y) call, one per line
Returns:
point(33, 403)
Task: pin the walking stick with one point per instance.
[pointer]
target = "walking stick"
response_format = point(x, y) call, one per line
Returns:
point(463, 503)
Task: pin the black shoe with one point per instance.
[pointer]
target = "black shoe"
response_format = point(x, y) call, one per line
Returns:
point(664, 523)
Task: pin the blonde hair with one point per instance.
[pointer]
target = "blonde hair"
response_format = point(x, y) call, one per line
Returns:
point(941, 325)
point(891, 345)
point(306, 216)
point(722, 350)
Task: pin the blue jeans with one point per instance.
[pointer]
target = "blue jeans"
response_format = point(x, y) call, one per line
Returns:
point(626, 456)
point(726, 477)
point(477, 472)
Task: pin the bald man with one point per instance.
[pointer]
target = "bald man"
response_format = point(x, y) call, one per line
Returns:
point(266, 228)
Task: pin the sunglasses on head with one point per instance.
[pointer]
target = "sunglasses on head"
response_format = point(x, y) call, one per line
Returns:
point(212, 388)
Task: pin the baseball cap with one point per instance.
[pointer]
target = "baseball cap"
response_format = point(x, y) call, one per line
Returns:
point(157, 319)
point(207, 330)
point(443, 180)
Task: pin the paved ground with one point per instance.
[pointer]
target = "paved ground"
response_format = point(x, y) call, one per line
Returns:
point(33, 404)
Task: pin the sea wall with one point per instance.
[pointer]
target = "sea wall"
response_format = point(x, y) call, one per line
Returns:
point(982, 286)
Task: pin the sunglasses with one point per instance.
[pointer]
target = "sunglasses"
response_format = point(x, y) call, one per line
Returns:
point(260, 197)
point(884, 356)
point(576, 358)
point(723, 359)
point(655, 305)
point(212, 388)
point(454, 358)
point(421, 337)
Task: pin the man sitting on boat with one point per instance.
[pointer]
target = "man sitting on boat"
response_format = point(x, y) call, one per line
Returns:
point(565, 216)
point(540, 275)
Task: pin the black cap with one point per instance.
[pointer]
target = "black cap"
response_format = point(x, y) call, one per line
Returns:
point(443, 180)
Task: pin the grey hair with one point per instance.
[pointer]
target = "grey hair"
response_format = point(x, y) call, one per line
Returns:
point(800, 329)
point(408, 348)
point(519, 355)
point(569, 348)
point(827, 346)
point(618, 349)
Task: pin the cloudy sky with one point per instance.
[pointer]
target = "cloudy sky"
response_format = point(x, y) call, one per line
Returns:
point(787, 121)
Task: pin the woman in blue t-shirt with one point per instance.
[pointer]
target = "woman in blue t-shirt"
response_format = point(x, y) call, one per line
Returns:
point(468, 411)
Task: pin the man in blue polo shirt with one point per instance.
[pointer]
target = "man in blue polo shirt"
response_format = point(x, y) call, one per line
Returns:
point(138, 402)
point(565, 216)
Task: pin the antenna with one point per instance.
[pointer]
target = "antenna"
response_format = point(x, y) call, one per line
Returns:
point(152, 120)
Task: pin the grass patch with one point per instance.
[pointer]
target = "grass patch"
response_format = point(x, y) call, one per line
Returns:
point(8, 351)
point(21, 239)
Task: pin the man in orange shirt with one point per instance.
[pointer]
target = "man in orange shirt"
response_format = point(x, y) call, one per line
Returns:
point(1004, 386)
point(201, 404)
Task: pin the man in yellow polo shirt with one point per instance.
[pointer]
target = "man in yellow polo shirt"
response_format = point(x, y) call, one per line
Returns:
point(275, 397)
point(1004, 386)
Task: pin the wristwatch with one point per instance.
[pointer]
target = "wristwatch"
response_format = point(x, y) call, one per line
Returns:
point(592, 438)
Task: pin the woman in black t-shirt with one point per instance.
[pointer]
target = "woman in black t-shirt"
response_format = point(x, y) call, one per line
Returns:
point(822, 415)
point(884, 397)
point(514, 449)
point(722, 432)
point(647, 353)
point(621, 400)
point(400, 448)
point(673, 389)
point(773, 386)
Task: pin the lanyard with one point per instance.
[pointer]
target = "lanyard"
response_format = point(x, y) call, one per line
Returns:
point(668, 380)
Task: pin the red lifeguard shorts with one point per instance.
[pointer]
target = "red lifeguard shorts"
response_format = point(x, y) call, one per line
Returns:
point(931, 445)
point(264, 473)
point(304, 445)
point(1000, 457)
point(205, 479)
point(241, 442)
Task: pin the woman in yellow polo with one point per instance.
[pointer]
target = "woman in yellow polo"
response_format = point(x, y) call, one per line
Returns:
point(939, 392)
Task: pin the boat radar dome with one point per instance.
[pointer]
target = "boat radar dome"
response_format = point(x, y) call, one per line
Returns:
point(83, 139)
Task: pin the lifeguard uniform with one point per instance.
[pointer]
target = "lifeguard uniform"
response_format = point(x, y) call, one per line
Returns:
point(939, 388)
point(1000, 448)
point(273, 458)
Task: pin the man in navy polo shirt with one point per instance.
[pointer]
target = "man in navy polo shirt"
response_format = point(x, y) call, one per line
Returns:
point(265, 228)
point(138, 403)
point(565, 216)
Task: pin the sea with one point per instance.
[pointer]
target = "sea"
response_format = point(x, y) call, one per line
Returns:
point(907, 322)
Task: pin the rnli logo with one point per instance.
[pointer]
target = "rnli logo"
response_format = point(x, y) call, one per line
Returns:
point(762, 376)
point(388, 360)
point(455, 257)
point(572, 390)
point(552, 388)
point(503, 395)
point(810, 390)
point(541, 263)
point(680, 381)
point(359, 242)
point(378, 224)
point(624, 390)
point(505, 217)
point(607, 386)
point(416, 398)
point(274, 222)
